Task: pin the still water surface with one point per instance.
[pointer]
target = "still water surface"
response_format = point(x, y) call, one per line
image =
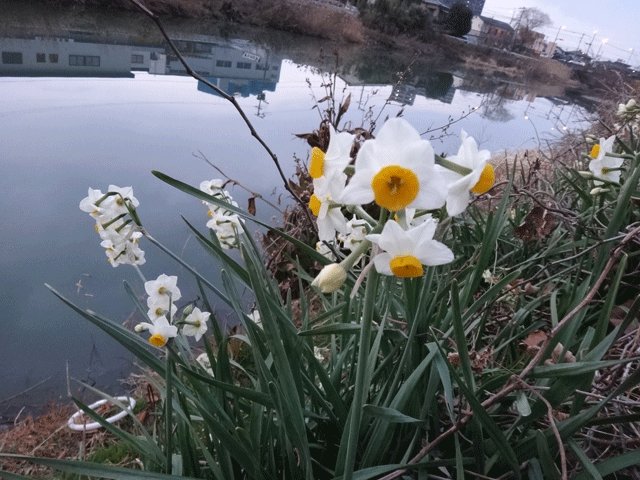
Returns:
point(67, 124)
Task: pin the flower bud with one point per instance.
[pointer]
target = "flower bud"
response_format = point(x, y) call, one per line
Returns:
point(140, 328)
point(598, 191)
point(631, 103)
point(330, 278)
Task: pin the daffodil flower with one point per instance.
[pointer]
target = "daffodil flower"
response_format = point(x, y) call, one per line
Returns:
point(336, 158)
point(161, 331)
point(356, 231)
point(603, 166)
point(159, 307)
point(162, 288)
point(226, 226)
point(479, 179)
point(196, 324)
point(329, 217)
point(124, 251)
point(95, 203)
point(406, 251)
point(396, 170)
point(212, 187)
point(203, 360)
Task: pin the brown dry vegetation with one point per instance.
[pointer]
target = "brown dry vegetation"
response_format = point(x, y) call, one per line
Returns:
point(314, 20)
point(48, 436)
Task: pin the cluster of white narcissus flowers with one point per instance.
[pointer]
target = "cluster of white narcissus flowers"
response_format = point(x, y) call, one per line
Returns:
point(398, 171)
point(162, 293)
point(629, 110)
point(224, 223)
point(119, 233)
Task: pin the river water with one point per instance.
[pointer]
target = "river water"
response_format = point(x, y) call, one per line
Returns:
point(89, 103)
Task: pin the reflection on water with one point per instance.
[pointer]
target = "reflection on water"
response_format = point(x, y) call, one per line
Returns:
point(94, 104)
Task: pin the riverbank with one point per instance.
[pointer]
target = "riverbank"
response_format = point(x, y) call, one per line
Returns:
point(343, 31)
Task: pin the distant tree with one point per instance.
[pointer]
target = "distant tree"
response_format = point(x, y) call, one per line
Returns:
point(458, 22)
point(528, 20)
point(532, 18)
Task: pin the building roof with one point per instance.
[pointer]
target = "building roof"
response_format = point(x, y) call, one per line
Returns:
point(437, 3)
point(496, 23)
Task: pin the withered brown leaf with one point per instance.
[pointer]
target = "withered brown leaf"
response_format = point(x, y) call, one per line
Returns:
point(538, 224)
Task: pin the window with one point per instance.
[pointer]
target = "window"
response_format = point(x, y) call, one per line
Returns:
point(137, 58)
point(274, 67)
point(223, 63)
point(84, 61)
point(244, 65)
point(41, 57)
point(202, 48)
point(261, 67)
point(53, 58)
point(14, 58)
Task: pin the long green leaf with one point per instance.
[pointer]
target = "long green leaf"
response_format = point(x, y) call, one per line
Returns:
point(132, 342)
point(186, 188)
point(338, 328)
point(95, 469)
point(612, 465)
point(502, 444)
point(389, 415)
point(590, 471)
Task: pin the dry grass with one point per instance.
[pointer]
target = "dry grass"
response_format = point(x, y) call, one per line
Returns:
point(47, 436)
point(314, 20)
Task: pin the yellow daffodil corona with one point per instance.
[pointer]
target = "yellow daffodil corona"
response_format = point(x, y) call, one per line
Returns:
point(487, 179)
point(316, 166)
point(315, 204)
point(406, 266)
point(395, 187)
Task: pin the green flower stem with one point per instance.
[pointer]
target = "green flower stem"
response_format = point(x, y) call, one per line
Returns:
point(114, 220)
point(188, 267)
point(454, 167)
point(619, 155)
point(360, 394)
point(168, 423)
point(353, 257)
point(359, 211)
point(144, 280)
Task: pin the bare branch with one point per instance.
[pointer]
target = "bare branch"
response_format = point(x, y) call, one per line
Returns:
point(229, 98)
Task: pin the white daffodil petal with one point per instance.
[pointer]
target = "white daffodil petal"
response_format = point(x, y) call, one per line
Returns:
point(382, 263)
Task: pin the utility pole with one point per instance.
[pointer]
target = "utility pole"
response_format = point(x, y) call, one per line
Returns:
point(581, 37)
point(591, 42)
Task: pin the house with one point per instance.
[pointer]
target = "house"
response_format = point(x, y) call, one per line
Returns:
point(529, 41)
point(488, 31)
point(63, 57)
point(439, 9)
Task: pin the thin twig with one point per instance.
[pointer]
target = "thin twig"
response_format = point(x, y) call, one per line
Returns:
point(25, 391)
point(232, 100)
point(202, 156)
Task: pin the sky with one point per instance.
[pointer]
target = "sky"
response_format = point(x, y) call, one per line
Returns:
point(614, 22)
